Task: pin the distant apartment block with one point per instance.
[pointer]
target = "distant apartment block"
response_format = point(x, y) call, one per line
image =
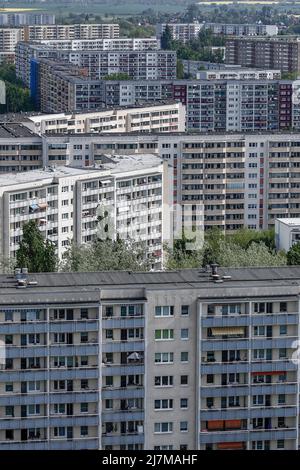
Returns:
point(138, 65)
point(68, 203)
point(274, 53)
point(158, 117)
point(29, 18)
point(214, 105)
point(238, 73)
point(242, 29)
point(175, 360)
point(70, 37)
point(287, 233)
point(237, 179)
point(183, 32)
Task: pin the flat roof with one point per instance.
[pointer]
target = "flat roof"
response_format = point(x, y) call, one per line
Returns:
point(14, 129)
point(111, 164)
point(79, 286)
point(290, 221)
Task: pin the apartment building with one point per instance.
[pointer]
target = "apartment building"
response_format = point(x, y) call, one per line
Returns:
point(183, 32)
point(9, 37)
point(72, 37)
point(28, 18)
point(158, 117)
point(240, 180)
point(242, 29)
point(69, 204)
point(138, 65)
point(183, 360)
point(215, 105)
point(71, 31)
point(273, 53)
point(107, 44)
point(238, 73)
point(20, 148)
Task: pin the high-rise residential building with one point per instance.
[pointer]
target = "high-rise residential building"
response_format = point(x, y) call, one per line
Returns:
point(69, 204)
point(271, 53)
point(98, 64)
point(183, 360)
point(239, 179)
point(72, 37)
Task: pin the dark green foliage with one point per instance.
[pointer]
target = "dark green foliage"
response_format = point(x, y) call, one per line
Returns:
point(293, 255)
point(17, 97)
point(35, 253)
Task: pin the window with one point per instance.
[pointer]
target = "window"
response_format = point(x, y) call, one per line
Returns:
point(184, 380)
point(183, 426)
point(282, 353)
point(9, 434)
point(109, 334)
point(184, 333)
point(283, 329)
point(184, 310)
point(84, 313)
point(210, 378)
point(164, 311)
point(165, 404)
point(183, 403)
point(84, 407)
point(184, 356)
point(163, 447)
point(258, 400)
point(280, 444)
point(109, 404)
point(164, 334)
point(9, 339)
point(281, 399)
point(163, 381)
point(109, 311)
point(283, 307)
point(9, 411)
point(183, 447)
point(83, 431)
point(164, 358)
point(263, 307)
point(9, 387)
point(163, 427)
point(84, 337)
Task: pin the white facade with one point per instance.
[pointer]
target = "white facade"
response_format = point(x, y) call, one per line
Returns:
point(115, 44)
point(238, 74)
point(287, 233)
point(183, 32)
point(67, 203)
point(160, 118)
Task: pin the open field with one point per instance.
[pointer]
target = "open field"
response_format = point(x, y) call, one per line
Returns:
point(16, 10)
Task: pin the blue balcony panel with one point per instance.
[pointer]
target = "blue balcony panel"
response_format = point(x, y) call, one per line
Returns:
point(122, 440)
point(225, 368)
point(224, 345)
point(127, 322)
point(123, 370)
point(69, 444)
point(123, 393)
point(209, 322)
point(223, 436)
point(74, 326)
point(124, 346)
point(118, 416)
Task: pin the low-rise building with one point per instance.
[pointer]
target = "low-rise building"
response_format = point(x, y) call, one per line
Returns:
point(287, 233)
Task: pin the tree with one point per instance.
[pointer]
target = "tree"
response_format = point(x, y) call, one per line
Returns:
point(293, 255)
point(166, 38)
point(180, 69)
point(106, 255)
point(36, 253)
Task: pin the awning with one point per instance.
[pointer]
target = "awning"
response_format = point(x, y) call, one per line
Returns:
point(274, 372)
point(230, 445)
point(228, 331)
point(233, 424)
point(214, 425)
point(43, 205)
